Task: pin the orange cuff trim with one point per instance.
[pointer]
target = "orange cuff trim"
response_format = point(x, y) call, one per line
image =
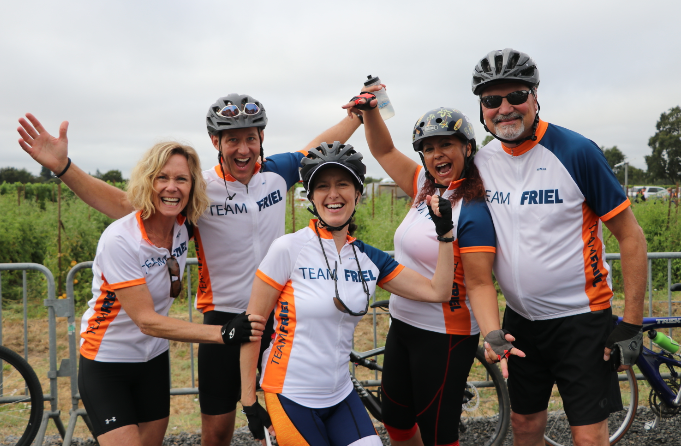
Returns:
point(416, 180)
point(127, 284)
point(617, 210)
point(304, 152)
point(391, 276)
point(268, 280)
point(478, 249)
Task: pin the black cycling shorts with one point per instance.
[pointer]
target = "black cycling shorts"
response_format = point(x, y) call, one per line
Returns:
point(424, 377)
point(567, 351)
point(117, 394)
point(219, 373)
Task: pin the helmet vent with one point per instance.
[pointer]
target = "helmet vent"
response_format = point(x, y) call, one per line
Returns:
point(528, 71)
point(513, 61)
point(498, 63)
point(485, 66)
point(422, 124)
point(438, 120)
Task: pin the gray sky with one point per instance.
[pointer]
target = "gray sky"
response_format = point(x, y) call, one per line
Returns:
point(128, 74)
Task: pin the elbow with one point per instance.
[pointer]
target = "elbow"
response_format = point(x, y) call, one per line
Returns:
point(444, 296)
point(147, 327)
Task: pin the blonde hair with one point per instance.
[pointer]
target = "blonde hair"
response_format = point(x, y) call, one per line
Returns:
point(141, 185)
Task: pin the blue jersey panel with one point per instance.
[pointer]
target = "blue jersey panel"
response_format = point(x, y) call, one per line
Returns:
point(588, 167)
point(383, 261)
point(286, 165)
point(475, 227)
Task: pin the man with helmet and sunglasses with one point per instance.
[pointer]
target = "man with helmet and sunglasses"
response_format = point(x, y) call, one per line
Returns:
point(548, 190)
point(319, 281)
point(246, 215)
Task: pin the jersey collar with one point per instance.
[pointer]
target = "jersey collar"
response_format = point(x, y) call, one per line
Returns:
point(325, 234)
point(229, 177)
point(138, 215)
point(527, 145)
point(455, 184)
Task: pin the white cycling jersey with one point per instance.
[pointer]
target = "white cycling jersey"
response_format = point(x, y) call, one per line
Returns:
point(125, 258)
point(548, 198)
point(233, 235)
point(307, 360)
point(416, 247)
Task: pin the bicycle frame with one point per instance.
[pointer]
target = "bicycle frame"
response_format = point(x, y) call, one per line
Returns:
point(649, 361)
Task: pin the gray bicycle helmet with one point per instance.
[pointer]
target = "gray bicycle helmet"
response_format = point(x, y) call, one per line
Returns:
point(215, 123)
point(506, 65)
point(342, 155)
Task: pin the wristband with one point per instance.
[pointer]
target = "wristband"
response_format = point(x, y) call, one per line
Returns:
point(445, 239)
point(65, 168)
point(360, 117)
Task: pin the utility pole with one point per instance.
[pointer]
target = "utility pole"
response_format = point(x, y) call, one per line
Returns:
point(626, 175)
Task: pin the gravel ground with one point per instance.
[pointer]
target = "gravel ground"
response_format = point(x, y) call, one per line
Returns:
point(668, 432)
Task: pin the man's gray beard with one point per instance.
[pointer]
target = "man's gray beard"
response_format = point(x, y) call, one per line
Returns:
point(510, 133)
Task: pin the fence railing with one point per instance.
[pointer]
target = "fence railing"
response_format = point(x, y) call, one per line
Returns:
point(66, 308)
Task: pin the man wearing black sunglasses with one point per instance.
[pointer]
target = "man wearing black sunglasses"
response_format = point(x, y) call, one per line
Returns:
point(548, 190)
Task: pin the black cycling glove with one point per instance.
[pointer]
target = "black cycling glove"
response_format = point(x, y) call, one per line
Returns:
point(442, 224)
point(366, 96)
point(497, 341)
point(237, 331)
point(626, 343)
point(258, 420)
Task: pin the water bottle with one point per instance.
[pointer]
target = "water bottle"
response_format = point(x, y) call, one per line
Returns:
point(385, 107)
point(663, 341)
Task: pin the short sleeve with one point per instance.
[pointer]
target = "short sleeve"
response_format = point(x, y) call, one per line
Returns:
point(388, 268)
point(475, 229)
point(589, 169)
point(119, 262)
point(286, 165)
point(275, 268)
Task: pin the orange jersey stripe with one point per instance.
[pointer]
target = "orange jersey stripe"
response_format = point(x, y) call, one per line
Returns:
point(287, 433)
point(391, 276)
point(270, 281)
point(204, 293)
point(127, 284)
point(478, 249)
point(456, 314)
point(416, 181)
point(625, 204)
point(106, 309)
point(280, 352)
point(596, 286)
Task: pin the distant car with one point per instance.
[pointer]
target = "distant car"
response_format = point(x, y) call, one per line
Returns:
point(300, 197)
point(651, 192)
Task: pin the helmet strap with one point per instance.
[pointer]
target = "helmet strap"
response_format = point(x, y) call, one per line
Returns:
point(428, 175)
point(324, 224)
point(532, 136)
point(224, 177)
point(262, 152)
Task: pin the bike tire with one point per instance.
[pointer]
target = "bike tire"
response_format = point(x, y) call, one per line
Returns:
point(20, 414)
point(558, 431)
point(488, 403)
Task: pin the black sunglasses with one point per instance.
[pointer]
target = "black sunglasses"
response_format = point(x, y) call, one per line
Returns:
point(232, 111)
point(175, 281)
point(513, 98)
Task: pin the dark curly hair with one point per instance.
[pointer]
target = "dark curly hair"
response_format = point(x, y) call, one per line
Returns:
point(471, 188)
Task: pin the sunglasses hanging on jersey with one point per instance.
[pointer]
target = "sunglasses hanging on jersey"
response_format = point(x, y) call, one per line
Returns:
point(174, 272)
point(337, 301)
point(513, 98)
point(232, 111)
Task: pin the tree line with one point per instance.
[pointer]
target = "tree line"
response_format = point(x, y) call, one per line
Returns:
point(14, 175)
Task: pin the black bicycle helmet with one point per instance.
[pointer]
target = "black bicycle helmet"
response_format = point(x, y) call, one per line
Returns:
point(506, 65)
point(342, 155)
point(215, 123)
point(444, 121)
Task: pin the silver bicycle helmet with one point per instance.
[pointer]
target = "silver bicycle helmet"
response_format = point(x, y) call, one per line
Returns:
point(506, 65)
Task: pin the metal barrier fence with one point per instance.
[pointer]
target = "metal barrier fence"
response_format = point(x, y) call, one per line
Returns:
point(68, 366)
point(55, 309)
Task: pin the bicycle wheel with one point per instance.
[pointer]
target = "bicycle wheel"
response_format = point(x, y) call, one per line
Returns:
point(558, 431)
point(366, 385)
point(485, 401)
point(21, 398)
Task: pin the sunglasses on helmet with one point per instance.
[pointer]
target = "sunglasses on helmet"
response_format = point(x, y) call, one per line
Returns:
point(232, 111)
point(174, 272)
point(513, 98)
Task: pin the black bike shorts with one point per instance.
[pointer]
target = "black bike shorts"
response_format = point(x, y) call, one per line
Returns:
point(117, 394)
point(424, 377)
point(567, 351)
point(219, 373)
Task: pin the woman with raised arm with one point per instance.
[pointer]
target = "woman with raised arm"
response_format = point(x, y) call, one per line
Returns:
point(422, 405)
point(319, 281)
point(124, 365)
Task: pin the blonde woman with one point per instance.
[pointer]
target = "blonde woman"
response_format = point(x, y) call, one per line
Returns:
point(124, 368)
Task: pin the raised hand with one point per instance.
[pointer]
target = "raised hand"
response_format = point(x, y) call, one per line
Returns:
point(47, 150)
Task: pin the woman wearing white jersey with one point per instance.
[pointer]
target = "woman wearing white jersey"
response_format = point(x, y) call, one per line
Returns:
point(124, 369)
point(422, 405)
point(319, 281)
